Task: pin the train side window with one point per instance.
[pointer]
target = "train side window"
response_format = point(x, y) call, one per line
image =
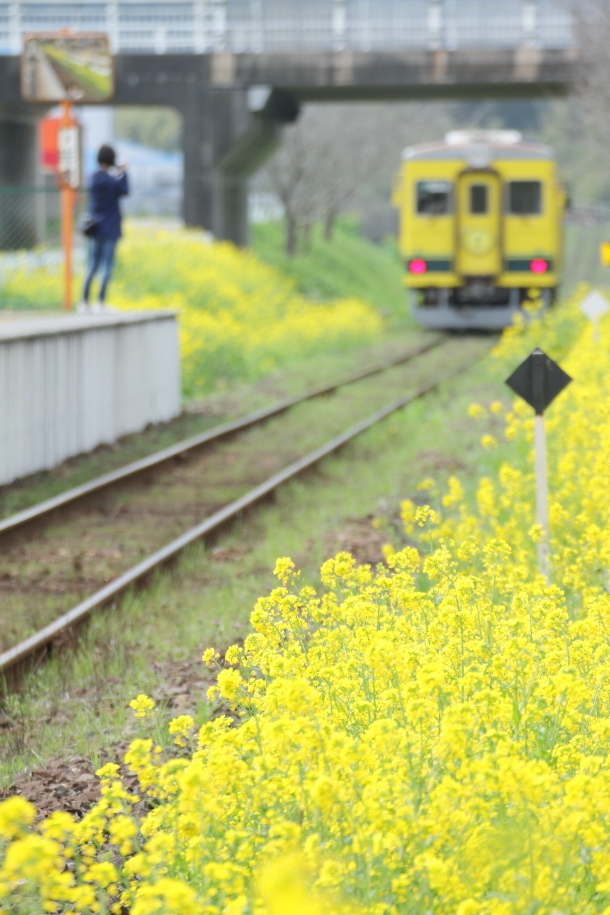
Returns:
point(433, 198)
point(525, 198)
point(478, 198)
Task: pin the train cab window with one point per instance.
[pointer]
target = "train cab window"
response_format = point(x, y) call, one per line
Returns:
point(478, 198)
point(433, 197)
point(525, 198)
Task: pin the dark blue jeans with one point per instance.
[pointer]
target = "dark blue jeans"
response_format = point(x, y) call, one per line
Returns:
point(101, 256)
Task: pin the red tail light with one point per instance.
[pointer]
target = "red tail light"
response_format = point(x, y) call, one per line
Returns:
point(418, 266)
point(538, 265)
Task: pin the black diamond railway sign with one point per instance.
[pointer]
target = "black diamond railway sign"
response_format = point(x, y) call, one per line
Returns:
point(538, 380)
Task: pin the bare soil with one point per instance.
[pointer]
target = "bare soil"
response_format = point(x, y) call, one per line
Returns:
point(69, 783)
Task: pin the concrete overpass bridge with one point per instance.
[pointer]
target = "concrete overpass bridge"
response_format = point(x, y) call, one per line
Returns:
point(238, 70)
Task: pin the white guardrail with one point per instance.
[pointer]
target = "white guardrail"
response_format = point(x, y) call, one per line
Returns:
point(198, 26)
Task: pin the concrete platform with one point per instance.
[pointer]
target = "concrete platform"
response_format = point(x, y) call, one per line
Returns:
point(69, 383)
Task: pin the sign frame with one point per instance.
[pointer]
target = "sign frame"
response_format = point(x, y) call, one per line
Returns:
point(66, 37)
point(538, 380)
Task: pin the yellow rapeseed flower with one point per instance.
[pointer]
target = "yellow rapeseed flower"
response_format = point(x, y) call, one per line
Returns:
point(142, 705)
point(16, 815)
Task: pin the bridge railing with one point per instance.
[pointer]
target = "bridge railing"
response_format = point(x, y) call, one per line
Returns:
point(196, 26)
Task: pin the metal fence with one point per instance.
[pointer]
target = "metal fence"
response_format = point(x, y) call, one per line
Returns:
point(30, 216)
point(196, 26)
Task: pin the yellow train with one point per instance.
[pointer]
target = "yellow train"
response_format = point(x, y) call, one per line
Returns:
point(480, 227)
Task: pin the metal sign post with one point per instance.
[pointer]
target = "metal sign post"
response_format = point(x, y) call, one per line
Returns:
point(542, 493)
point(68, 171)
point(538, 380)
point(594, 306)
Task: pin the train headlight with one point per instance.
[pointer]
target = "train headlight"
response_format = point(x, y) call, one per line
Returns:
point(417, 266)
point(538, 265)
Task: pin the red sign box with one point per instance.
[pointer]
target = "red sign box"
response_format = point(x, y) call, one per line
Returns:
point(48, 142)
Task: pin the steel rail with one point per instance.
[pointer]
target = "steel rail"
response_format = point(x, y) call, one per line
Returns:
point(37, 512)
point(41, 639)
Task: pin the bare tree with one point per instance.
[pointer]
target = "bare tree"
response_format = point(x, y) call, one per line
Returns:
point(335, 150)
point(289, 176)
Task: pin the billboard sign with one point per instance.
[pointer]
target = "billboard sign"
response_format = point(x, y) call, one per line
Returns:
point(58, 67)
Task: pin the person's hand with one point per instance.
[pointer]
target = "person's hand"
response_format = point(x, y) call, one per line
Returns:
point(122, 166)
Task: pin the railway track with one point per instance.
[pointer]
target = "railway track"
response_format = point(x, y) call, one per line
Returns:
point(27, 651)
point(37, 514)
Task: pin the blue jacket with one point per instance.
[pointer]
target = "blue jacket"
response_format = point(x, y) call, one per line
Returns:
point(104, 193)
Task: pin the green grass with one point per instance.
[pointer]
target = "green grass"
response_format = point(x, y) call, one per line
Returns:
point(348, 265)
point(581, 261)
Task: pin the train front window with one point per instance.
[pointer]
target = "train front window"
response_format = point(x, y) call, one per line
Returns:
point(478, 198)
point(433, 197)
point(525, 198)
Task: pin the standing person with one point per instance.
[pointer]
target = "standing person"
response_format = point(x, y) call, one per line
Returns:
point(105, 189)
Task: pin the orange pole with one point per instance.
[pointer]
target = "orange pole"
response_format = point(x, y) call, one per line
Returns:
point(67, 220)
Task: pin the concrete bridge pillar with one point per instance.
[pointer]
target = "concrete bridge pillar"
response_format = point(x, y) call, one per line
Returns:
point(229, 129)
point(197, 146)
point(228, 134)
point(19, 217)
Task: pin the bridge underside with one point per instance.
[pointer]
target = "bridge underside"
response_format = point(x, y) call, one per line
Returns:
point(413, 74)
point(234, 105)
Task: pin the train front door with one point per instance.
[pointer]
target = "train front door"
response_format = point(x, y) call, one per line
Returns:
point(478, 224)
